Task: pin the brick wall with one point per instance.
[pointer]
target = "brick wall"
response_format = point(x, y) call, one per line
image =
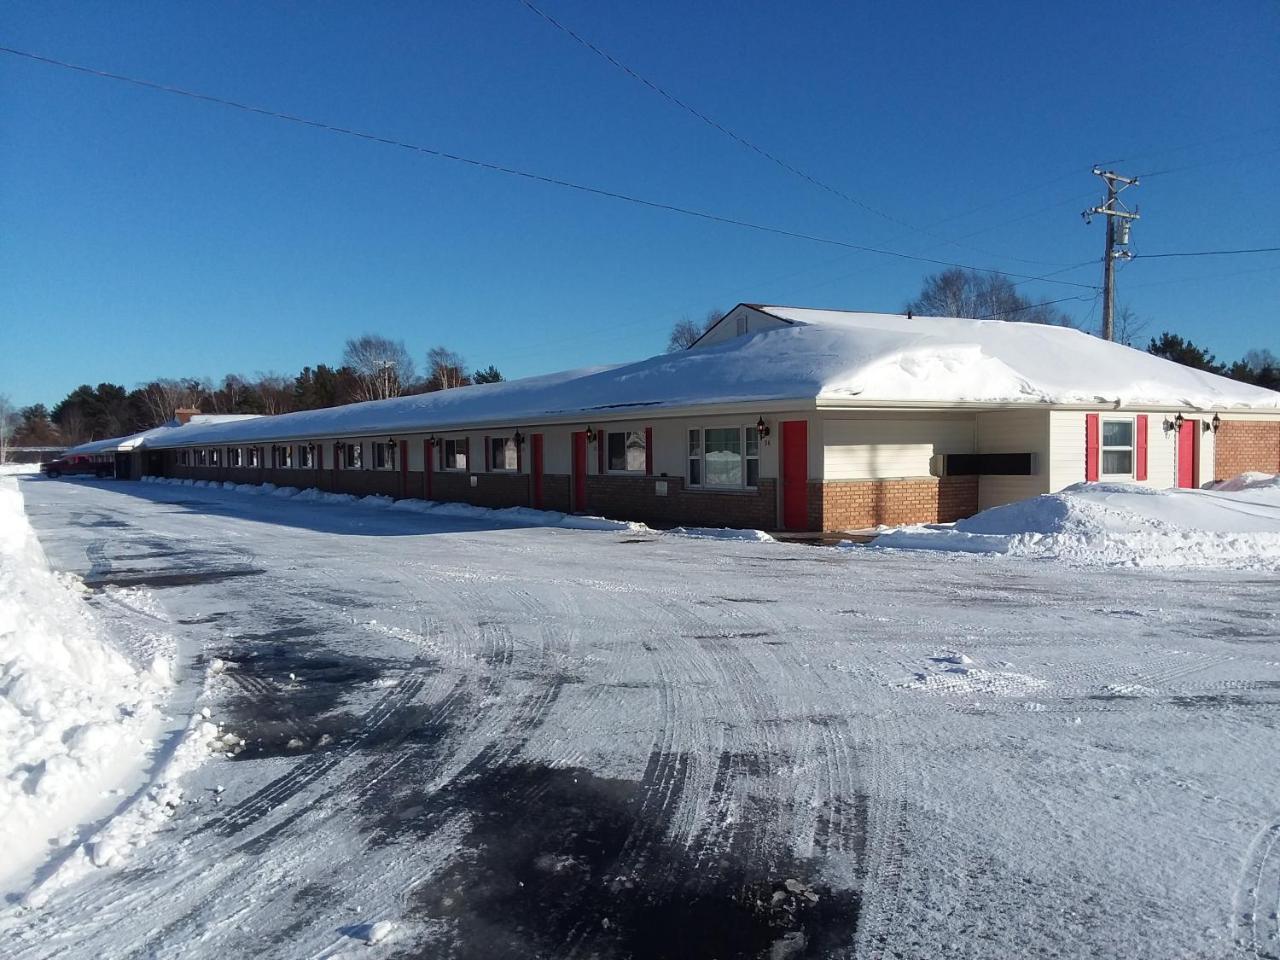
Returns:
point(857, 504)
point(841, 505)
point(491, 489)
point(1242, 445)
point(633, 498)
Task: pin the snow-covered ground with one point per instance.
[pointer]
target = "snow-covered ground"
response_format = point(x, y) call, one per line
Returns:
point(460, 736)
point(1107, 524)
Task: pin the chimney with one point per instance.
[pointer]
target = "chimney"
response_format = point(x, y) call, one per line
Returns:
point(184, 414)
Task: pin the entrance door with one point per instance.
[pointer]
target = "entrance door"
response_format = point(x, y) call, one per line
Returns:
point(580, 471)
point(535, 469)
point(795, 474)
point(1188, 452)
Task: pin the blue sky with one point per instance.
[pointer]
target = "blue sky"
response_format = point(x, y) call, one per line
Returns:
point(148, 235)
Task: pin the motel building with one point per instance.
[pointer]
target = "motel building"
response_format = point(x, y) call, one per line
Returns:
point(778, 418)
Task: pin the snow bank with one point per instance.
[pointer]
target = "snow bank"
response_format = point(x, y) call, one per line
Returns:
point(18, 469)
point(1117, 524)
point(73, 710)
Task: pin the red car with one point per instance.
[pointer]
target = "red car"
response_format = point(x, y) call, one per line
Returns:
point(98, 465)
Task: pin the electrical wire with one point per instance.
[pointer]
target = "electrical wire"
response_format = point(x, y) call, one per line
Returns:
point(1205, 253)
point(755, 147)
point(1032, 306)
point(709, 121)
point(516, 172)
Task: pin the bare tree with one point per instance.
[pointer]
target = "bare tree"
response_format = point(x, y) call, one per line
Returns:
point(686, 331)
point(160, 398)
point(6, 426)
point(383, 366)
point(275, 393)
point(959, 292)
point(1128, 326)
point(445, 369)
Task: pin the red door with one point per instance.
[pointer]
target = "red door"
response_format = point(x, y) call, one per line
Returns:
point(1188, 442)
point(535, 468)
point(795, 475)
point(580, 471)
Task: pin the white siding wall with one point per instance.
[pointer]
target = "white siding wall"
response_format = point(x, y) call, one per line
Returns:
point(1066, 437)
point(885, 446)
point(1014, 431)
point(727, 327)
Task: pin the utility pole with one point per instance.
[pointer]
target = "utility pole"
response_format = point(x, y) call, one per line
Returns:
point(1119, 219)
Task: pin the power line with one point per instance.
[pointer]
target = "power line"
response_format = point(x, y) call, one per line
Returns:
point(709, 121)
point(515, 172)
point(1032, 306)
point(1205, 253)
point(751, 145)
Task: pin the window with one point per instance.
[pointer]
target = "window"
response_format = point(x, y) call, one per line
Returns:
point(455, 454)
point(626, 452)
point(215, 457)
point(235, 456)
point(284, 457)
point(184, 457)
point(255, 458)
point(355, 456)
point(740, 326)
point(1117, 448)
point(724, 457)
point(202, 457)
point(306, 455)
point(384, 456)
point(502, 454)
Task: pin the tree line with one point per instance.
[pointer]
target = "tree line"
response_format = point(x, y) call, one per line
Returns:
point(372, 368)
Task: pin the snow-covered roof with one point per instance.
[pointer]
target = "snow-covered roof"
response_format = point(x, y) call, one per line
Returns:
point(823, 356)
point(135, 440)
point(893, 358)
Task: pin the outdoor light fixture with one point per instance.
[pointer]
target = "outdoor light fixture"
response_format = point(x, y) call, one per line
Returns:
point(1178, 421)
point(518, 438)
point(1215, 423)
point(762, 428)
point(591, 435)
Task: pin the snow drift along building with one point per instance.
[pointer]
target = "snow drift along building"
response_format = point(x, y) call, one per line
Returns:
point(777, 418)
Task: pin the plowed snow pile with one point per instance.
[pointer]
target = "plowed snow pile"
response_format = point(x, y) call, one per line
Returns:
point(1236, 524)
point(73, 710)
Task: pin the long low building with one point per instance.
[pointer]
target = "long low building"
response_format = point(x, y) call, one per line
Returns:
point(777, 418)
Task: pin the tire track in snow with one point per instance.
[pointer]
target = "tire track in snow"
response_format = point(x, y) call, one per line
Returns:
point(1256, 904)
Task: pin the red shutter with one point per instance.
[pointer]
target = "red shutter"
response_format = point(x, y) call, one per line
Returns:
point(648, 451)
point(1091, 446)
point(1140, 451)
point(602, 440)
point(426, 469)
point(487, 455)
point(519, 457)
point(466, 452)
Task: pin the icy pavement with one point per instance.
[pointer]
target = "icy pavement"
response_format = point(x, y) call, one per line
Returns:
point(462, 740)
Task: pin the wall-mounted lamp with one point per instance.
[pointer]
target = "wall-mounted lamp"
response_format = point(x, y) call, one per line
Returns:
point(762, 428)
point(1215, 423)
point(518, 438)
point(591, 435)
point(434, 441)
point(1178, 421)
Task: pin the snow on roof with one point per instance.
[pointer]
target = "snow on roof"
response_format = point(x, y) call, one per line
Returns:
point(888, 357)
point(822, 355)
point(136, 440)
